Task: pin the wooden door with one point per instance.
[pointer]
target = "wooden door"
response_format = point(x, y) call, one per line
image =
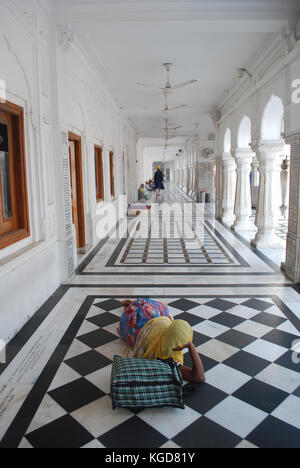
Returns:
point(77, 187)
point(99, 174)
point(8, 201)
point(112, 176)
point(72, 155)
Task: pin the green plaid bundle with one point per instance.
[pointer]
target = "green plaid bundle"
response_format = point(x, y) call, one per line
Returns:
point(142, 383)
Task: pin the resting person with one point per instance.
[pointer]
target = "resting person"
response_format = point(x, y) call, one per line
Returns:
point(141, 193)
point(158, 180)
point(160, 337)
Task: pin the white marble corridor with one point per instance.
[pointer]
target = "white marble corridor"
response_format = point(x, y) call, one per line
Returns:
point(245, 315)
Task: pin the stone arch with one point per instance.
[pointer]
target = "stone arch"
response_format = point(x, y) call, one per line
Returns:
point(273, 120)
point(227, 141)
point(244, 133)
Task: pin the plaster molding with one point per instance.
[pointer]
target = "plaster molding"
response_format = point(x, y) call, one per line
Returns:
point(65, 36)
point(272, 68)
point(20, 63)
point(288, 37)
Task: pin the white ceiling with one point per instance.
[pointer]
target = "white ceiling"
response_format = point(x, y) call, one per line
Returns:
point(206, 40)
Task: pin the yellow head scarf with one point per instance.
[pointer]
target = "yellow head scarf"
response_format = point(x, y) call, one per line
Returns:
point(161, 336)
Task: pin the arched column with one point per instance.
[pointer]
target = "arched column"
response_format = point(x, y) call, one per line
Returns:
point(188, 180)
point(219, 187)
point(254, 182)
point(285, 182)
point(255, 173)
point(269, 197)
point(195, 186)
point(212, 185)
point(228, 189)
point(243, 204)
point(185, 178)
point(292, 263)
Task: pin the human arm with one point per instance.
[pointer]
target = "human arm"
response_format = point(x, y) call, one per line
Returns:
point(196, 374)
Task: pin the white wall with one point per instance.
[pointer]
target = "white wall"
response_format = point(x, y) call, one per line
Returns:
point(59, 89)
point(90, 112)
point(29, 270)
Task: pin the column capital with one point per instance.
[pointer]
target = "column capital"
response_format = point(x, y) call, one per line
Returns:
point(245, 155)
point(227, 157)
point(266, 150)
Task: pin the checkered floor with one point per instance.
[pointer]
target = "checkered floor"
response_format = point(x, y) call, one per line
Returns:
point(204, 249)
point(251, 396)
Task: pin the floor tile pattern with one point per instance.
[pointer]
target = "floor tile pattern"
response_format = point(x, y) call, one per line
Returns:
point(176, 251)
point(250, 398)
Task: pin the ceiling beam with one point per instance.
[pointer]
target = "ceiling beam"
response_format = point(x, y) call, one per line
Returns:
point(174, 10)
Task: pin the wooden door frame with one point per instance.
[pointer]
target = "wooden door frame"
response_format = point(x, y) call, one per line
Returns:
point(112, 174)
point(20, 175)
point(79, 187)
point(99, 175)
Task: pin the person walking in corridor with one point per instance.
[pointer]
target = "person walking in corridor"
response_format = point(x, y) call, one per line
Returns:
point(158, 180)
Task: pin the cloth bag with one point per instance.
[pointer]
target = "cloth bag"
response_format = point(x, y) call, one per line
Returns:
point(143, 383)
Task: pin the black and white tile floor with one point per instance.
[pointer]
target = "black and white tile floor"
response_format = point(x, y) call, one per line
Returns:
point(251, 397)
point(171, 251)
point(54, 389)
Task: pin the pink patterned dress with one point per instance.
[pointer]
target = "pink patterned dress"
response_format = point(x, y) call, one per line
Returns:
point(136, 315)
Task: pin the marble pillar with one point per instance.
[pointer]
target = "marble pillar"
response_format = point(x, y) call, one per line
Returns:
point(292, 264)
point(254, 182)
point(269, 156)
point(255, 173)
point(194, 181)
point(185, 179)
point(219, 187)
point(285, 182)
point(228, 189)
point(212, 181)
point(243, 204)
point(188, 180)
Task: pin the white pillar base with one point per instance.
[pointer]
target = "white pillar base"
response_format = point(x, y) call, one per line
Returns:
point(246, 226)
point(228, 220)
point(266, 241)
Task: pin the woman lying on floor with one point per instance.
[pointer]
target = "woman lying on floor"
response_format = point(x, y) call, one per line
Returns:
point(152, 333)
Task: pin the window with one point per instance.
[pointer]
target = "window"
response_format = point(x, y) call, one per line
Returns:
point(112, 177)
point(14, 217)
point(99, 173)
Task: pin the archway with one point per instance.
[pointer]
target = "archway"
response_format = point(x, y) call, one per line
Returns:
point(244, 133)
point(272, 122)
point(272, 199)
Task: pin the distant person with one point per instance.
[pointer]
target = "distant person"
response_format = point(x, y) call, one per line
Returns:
point(141, 193)
point(158, 180)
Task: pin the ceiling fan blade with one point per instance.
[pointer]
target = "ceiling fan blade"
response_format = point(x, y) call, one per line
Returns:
point(146, 85)
point(183, 85)
point(176, 108)
point(170, 129)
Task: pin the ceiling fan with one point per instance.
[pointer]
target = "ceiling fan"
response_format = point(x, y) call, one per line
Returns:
point(168, 89)
point(172, 128)
point(167, 109)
